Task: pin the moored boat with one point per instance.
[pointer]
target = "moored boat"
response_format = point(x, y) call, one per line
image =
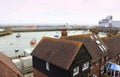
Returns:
point(56, 36)
point(18, 35)
point(33, 42)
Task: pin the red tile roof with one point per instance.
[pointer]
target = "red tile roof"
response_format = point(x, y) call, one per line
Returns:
point(56, 51)
point(7, 65)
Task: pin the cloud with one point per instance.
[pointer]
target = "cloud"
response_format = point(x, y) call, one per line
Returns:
point(89, 11)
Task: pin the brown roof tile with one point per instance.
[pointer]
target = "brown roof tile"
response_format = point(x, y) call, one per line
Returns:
point(56, 51)
point(113, 44)
point(90, 44)
point(5, 61)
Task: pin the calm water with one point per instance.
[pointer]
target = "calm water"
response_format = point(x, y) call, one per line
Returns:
point(8, 44)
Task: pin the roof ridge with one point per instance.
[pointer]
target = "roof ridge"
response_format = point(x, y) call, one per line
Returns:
point(61, 44)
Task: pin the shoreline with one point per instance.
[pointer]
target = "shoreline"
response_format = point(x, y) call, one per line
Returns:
point(3, 33)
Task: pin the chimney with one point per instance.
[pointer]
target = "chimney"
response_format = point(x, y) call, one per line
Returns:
point(109, 35)
point(95, 31)
point(64, 33)
point(112, 33)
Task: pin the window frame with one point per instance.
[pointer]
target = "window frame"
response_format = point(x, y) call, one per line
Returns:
point(47, 66)
point(76, 71)
point(85, 66)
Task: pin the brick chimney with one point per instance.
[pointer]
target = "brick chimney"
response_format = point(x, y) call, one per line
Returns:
point(95, 31)
point(109, 35)
point(64, 33)
point(112, 33)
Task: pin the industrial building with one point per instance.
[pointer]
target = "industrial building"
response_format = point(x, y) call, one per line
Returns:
point(109, 22)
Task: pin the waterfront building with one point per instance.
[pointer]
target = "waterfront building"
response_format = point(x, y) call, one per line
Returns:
point(102, 50)
point(95, 48)
point(109, 46)
point(112, 42)
point(60, 58)
point(108, 22)
point(7, 68)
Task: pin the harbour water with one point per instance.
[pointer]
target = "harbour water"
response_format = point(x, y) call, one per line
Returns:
point(9, 43)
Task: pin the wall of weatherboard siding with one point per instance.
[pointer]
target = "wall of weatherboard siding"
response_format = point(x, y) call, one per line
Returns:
point(82, 57)
point(54, 71)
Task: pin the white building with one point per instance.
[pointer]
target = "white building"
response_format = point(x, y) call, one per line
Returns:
point(108, 22)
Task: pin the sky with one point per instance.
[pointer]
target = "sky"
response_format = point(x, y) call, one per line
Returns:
point(57, 11)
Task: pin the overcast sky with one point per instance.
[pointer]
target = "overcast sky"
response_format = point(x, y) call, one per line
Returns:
point(57, 11)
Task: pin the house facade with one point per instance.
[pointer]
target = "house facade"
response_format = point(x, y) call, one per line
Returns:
point(60, 58)
point(96, 48)
point(90, 60)
point(113, 49)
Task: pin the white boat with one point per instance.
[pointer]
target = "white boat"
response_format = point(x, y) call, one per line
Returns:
point(18, 35)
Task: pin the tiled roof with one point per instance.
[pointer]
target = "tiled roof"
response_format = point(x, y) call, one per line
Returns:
point(113, 44)
point(4, 60)
point(57, 51)
point(90, 45)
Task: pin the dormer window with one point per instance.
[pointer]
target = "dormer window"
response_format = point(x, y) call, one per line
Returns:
point(76, 71)
point(103, 47)
point(47, 66)
point(85, 66)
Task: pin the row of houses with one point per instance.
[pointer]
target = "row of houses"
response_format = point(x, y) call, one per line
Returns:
point(69, 56)
point(75, 56)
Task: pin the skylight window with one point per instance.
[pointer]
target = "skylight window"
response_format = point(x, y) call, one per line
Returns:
point(91, 37)
point(101, 48)
point(95, 36)
point(97, 41)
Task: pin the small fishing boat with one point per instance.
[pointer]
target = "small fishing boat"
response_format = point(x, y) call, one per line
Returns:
point(18, 35)
point(16, 50)
point(33, 42)
point(56, 36)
